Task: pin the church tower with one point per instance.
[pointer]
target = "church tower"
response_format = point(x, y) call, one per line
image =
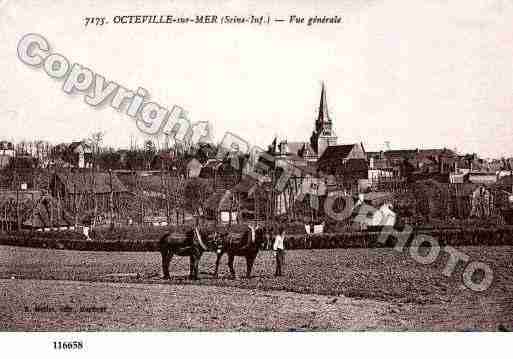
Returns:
point(323, 135)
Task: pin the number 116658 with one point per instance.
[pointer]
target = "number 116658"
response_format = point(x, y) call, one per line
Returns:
point(72, 345)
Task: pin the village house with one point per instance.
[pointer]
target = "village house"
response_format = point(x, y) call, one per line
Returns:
point(76, 154)
point(427, 161)
point(88, 188)
point(294, 153)
point(382, 174)
point(32, 210)
point(81, 154)
point(222, 206)
point(7, 149)
point(6, 153)
point(481, 177)
point(205, 152)
point(164, 160)
point(470, 169)
point(378, 211)
point(348, 163)
point(246, 192)
point(253, 198)
point(224, 173)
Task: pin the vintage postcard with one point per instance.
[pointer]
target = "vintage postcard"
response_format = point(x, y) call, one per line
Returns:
point(217, 166)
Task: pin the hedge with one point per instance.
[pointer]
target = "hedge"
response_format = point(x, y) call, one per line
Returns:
point(453, 237)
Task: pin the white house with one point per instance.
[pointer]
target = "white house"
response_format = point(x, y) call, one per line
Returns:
point(82, 154)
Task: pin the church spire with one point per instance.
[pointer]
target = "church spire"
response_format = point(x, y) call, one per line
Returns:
point(323, 116)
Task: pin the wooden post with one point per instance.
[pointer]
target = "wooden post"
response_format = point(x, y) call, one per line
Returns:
point(18, 218)
point(215, 180)
point(58, 207)
point(93, 193)
point(168, 210)
point(230, 213)
point(50, 202)
point(111, 201)
point(238, 208)
point(75, 209)
point(216, 213)
point(5, 224)
point(255, 205)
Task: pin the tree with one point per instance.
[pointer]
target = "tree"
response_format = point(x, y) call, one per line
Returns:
point(95, 140)
point(149, 150)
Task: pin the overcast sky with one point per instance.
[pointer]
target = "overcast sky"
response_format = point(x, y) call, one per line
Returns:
point(414, 73)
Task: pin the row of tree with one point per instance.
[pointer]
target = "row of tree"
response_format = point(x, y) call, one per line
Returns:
point(151, 155)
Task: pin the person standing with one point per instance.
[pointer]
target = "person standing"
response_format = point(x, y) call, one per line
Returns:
point(279, 250)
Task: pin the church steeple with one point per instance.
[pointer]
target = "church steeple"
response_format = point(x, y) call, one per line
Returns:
point(323, 116)
point(323, 135)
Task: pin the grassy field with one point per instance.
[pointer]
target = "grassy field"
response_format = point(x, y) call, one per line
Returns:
point(418, 296)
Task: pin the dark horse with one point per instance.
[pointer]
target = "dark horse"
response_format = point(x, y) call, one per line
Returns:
point(240, 242)
point(191, 242)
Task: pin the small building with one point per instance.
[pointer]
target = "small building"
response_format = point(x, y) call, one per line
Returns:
point(46, 214)
point(7, 149)
point(482, 202)
point(81, 154)
point(5, 160)
point(222, 172)
point(294, 153)
point(76, 154)
point(211, 168)
point(249, 195)
point(371, 217)
point(348, 163)
point(28, 209)
point(222, 206)
point(205, 152)
point(80, 186)
point(458, 177)
point(163, 161)
point(482, 178)
point(23, 162)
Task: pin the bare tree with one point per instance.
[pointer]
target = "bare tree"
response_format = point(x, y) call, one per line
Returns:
point(95, 140)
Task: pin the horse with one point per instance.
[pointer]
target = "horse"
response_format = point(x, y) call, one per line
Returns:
point(238, 243)
point(189, 243)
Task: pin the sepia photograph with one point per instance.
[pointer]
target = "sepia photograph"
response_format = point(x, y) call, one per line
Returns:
point(258, 167)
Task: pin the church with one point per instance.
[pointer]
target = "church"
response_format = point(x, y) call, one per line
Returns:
point(322, 154)
point(308, 152)
point(323, 136)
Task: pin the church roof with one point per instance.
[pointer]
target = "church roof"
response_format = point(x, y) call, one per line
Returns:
point(337, 152)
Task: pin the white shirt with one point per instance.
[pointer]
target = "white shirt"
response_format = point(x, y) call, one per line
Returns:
point(278, 242)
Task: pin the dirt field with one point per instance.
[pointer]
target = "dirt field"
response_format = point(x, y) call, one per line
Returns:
point(355, 289)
